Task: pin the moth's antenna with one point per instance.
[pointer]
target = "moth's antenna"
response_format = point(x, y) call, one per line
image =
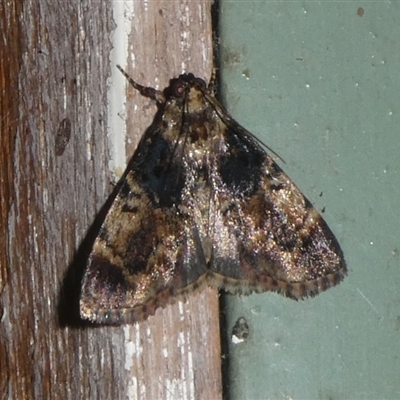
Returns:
point(149, 92)
point(183, 132)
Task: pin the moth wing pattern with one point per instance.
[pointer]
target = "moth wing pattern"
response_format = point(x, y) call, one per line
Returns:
point(276, 239)
point(148, 251)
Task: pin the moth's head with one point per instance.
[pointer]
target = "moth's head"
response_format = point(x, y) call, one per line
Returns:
point(187, 87)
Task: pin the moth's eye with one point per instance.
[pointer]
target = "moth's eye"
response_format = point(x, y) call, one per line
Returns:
point(179, 88)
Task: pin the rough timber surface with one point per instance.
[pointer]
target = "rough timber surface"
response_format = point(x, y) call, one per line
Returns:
point(53, 71)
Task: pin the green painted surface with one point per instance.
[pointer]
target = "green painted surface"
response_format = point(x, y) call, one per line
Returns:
point(320, 85)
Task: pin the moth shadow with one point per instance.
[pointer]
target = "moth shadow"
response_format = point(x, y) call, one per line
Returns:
point(68, 300)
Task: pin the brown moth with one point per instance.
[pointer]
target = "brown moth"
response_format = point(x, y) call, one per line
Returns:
point(203, 204)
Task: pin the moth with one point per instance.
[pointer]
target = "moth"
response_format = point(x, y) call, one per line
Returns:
point(203, 204)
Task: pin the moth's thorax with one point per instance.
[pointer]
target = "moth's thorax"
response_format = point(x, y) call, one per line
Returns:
point(195, 100)
point(191, 121)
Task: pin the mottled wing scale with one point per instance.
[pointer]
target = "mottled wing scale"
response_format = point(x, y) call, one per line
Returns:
point(140, 259)
point(281, 242)
point(203, 203)
point(274, 238)
point(148, 250)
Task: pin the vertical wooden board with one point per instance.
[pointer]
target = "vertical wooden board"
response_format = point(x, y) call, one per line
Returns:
point(60, 180)
point(176, 353)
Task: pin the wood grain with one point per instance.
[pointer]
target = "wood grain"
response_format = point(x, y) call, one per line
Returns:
point(55, 64)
